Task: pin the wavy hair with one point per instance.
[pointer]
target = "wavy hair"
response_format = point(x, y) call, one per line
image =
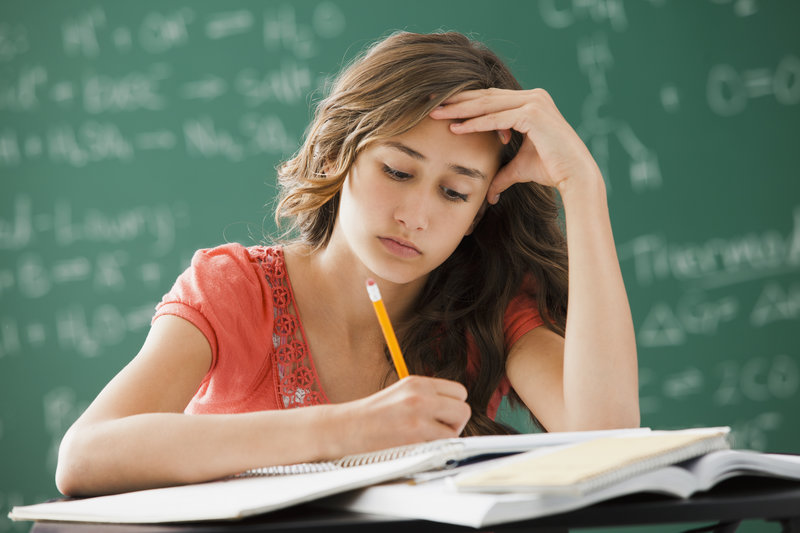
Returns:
point(518, 245)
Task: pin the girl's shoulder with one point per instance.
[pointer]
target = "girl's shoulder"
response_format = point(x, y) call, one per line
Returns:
point(257, 252)
point(230, 271)
point(235, 254)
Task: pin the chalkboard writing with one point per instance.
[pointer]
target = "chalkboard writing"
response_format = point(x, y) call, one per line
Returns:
point(132, 134)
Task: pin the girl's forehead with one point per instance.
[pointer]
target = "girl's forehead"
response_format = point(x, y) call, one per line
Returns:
point(434, 140)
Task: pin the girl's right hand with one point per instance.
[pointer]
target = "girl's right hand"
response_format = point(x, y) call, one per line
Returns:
point(414, 409)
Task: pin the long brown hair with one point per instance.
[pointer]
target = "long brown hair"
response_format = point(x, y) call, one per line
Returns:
point(518, 244)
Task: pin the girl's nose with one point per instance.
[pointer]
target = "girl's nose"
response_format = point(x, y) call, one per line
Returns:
point(412, 210)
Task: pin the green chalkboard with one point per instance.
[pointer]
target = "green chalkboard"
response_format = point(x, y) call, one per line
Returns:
point(133, 133)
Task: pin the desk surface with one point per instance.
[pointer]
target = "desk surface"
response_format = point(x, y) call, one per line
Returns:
point(732, 501)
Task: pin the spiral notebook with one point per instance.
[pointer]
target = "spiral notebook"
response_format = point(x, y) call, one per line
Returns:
point(262, 491)
point(448, 453)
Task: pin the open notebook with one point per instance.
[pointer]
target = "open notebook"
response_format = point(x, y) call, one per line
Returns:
point(251, 494)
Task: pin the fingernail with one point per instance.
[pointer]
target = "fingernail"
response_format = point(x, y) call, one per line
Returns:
point(496, 198)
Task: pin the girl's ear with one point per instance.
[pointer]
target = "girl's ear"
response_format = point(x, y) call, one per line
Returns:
point(478, 217)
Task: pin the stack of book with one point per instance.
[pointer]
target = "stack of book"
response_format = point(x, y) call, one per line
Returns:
point(473, 481)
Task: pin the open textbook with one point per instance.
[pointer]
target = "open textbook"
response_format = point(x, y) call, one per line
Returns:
point(442, 500)
point(637, 453)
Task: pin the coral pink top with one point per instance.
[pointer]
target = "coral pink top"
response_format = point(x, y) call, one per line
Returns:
point(241, 299)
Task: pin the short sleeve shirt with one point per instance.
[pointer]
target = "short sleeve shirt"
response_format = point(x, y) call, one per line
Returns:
point(241, 299)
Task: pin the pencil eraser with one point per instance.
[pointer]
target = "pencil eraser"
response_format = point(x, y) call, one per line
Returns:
point(372, 290)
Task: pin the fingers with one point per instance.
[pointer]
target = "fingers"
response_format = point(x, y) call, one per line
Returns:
point(450, 418)
point(497, 109)
point(526, 166)
point(414, 409)
point(447, 405)
point(445, 387)
point(471, 103)
point(507, 119)
point(551, 151)
point(431, 407)
point(505, 178)
point(505, 135)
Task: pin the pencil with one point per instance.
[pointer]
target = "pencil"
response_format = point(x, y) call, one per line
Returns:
point(386, 327)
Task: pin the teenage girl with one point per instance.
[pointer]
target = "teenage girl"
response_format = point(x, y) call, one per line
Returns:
point(429, 169)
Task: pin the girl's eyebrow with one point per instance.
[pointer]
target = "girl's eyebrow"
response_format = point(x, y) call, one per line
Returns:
point(405, 149)
point(458, 169)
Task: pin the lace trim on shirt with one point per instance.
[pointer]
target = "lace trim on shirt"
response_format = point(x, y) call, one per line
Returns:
point(297, 381)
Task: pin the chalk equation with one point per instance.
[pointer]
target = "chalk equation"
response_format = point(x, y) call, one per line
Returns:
point(23, 225)
point(729, 90)
point(43, 239)
point(88, 32)
point(718, 261)
point(101, 100)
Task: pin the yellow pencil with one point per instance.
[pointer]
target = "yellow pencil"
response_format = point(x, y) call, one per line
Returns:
point(386, 327)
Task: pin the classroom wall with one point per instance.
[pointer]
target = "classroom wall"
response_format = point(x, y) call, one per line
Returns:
point(133, 133)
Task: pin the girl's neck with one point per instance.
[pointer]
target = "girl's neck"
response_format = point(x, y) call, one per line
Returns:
point(336, 278)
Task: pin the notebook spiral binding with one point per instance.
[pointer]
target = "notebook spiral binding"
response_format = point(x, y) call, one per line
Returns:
point(446, 450)
point(290, 470)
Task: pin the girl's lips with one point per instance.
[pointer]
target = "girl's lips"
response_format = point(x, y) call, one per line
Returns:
point(399, 247)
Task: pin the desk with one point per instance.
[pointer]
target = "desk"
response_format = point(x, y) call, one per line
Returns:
point(724, 507)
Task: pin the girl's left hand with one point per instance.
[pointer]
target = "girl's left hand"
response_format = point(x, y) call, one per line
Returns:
point(552, 152)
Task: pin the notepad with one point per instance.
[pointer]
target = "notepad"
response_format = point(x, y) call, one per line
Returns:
point(447, 452)
point(264, 490)
point(590, 465)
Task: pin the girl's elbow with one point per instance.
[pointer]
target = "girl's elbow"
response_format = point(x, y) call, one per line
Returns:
point(632, 420)
point(70, 477)
point(625, 418)
point(66, 481)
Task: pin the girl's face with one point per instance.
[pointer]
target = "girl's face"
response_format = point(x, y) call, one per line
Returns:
point(408, 200)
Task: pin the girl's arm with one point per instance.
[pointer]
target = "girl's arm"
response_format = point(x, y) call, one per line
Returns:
point(135, 435)
point(588, 379)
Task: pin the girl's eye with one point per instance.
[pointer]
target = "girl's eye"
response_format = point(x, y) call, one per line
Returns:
point(449, 194)
point(454, 196)
point(395, 174)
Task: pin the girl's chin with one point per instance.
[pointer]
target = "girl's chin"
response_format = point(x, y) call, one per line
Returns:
point(394, 273)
